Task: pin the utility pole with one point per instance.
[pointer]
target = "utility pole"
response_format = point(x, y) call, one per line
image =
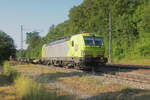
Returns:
point(110, 37)
point(21, 41)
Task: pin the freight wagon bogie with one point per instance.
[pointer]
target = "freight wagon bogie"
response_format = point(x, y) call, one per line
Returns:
point(82, 50)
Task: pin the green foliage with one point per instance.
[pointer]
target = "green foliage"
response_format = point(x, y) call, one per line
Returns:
point(143, 24)
point(31, 36)
point(7, 47)
point(35, 43)
point(131, 25)
point(27, 89)
point(7, 68)
point(21, 53)
point(144, 47)
point(10, 72)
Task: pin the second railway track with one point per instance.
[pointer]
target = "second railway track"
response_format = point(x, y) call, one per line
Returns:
point(125, 74)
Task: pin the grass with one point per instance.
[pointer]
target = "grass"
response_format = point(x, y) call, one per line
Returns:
point(4, 80)
point(24, 88)
point(76, 80)
point(6, 86)
point(9, 71)
point(136, 61)
point(7, 92)
point(126, 94)
point(96, 87)
point(90, 84)
point(28, 89)
point(133, 60)
point(17, 86)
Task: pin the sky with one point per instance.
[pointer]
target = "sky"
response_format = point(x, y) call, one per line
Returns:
point(34, 15)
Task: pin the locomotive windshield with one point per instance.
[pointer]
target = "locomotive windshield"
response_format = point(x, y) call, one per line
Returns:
point(96, 41)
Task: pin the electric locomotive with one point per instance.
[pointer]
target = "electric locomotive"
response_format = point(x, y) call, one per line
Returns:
point(82, 50)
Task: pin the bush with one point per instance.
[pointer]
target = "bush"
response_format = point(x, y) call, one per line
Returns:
point(7, 68)
point(27, 89)
point(10, 72)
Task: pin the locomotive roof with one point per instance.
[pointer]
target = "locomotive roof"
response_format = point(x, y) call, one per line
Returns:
point(58, 41)
point(64, 39)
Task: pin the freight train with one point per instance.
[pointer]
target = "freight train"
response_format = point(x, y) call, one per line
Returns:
point(81, 51)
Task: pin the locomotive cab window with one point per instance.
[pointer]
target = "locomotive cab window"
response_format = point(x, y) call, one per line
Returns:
point(97, 41)
point(72, 43)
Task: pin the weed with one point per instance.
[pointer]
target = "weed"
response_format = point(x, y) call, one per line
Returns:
point(7, 68)
point(27, 89)
point(9, 71)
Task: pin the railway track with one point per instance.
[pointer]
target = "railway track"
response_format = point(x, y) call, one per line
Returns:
point(120, 72)
point(128, 77)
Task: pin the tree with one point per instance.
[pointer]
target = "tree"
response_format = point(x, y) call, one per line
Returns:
point(33, 41)
point(130, 20)
point(7, 47)
point(30, 35)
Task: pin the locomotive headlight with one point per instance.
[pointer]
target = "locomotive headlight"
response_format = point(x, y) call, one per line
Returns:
point(83, 53)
